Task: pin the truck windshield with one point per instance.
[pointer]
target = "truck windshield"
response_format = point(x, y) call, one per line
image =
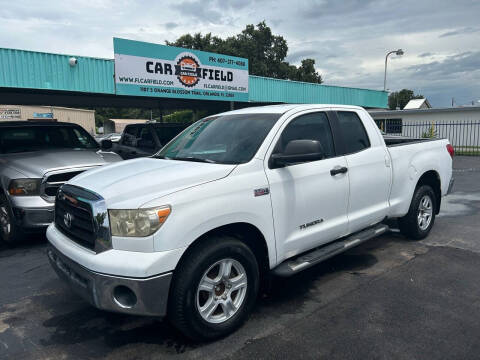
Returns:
point(225, 139)
point(20, 139)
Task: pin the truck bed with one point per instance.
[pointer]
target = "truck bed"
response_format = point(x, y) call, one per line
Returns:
point(401, 140)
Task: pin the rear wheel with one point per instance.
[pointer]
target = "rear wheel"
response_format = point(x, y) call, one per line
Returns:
point(419, 220)
point(214, 289)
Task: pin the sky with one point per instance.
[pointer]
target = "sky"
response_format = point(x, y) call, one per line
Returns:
point(347, 38)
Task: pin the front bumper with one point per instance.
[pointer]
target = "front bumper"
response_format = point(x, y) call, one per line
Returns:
point(31, 212)
point(33, 219)
point(114, 293)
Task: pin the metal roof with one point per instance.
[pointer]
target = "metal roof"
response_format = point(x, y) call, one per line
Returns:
point(417, 104)
point(22, 69)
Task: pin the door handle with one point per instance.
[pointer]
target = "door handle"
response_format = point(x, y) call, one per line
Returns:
point(338, 170)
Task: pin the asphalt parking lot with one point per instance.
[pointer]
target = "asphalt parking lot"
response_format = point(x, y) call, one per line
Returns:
point(389, 298)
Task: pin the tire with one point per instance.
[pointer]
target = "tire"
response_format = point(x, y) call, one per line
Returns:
point(217, 296)
point(419, 220)
point(9, 231)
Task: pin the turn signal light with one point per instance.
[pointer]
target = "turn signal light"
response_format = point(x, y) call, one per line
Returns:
point(163, 214)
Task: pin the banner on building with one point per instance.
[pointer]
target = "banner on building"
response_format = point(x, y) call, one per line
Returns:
point(146, 69)
point(9, 114)
point(48, 115)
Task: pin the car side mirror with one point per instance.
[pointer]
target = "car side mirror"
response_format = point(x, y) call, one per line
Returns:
point(106, 144)
point(298, 151)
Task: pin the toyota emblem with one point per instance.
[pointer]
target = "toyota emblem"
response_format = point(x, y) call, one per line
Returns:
point(67, 219)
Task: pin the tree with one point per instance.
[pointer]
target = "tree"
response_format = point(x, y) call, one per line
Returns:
point(401, 98)
point(265, 52)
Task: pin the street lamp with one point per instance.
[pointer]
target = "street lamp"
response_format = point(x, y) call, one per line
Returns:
point(398, 52)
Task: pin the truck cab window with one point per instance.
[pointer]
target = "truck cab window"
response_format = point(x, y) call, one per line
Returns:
point(130, 136)
point(145, 140)
point(313, 126)
point(353, 132)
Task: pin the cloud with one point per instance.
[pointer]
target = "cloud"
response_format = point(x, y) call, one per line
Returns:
point(425, 54)
point(348, 39)
point(467, 62)
point(202, 11)
point(467, 30)
point(295, 57)
point(171, 25)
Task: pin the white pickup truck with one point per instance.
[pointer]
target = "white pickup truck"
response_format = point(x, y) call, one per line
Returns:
point(191, 232)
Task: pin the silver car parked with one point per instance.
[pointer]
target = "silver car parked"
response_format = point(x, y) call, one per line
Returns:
point(36, 158)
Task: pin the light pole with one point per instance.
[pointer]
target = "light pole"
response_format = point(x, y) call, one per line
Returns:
point(398, 52)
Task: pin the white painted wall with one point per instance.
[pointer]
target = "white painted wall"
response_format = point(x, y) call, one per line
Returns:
point(82, 117)
point(461, 126)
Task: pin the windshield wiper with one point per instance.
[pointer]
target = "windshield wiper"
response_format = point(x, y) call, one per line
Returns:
point(195, 159)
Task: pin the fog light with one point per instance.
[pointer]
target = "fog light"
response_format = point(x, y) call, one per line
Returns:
point(124, 297)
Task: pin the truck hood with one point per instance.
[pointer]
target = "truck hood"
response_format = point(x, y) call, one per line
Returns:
point(35, 164)
point(130, 184)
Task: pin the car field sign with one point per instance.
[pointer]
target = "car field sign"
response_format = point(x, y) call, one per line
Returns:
point(146, 69)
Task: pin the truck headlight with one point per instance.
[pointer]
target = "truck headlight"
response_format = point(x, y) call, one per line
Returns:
point(138, 222)
point(24, 187)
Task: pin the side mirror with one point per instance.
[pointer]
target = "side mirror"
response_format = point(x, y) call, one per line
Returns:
point(298, 151)
point(106, 144)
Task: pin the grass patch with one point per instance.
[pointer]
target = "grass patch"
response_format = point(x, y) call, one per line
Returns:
point(467, 150)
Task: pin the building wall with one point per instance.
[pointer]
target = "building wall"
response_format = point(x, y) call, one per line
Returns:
point(46, 71)
point(84, 118)
point(459, 115)
point(460, 125)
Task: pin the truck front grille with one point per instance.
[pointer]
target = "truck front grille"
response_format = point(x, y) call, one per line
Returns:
point(74, 216)
point(53, 182)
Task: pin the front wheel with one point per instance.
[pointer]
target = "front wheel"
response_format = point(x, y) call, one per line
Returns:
point(214, 289)
point(9, 232)
point(419, 220)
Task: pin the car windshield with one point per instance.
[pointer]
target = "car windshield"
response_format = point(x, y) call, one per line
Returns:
point(44, 137)
point(225, 139)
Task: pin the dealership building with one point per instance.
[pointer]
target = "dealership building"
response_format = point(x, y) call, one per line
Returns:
point(82, 117)
point(154, 76)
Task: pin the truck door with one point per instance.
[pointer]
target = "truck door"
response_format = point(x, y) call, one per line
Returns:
point(309, 201)
point(369, 172)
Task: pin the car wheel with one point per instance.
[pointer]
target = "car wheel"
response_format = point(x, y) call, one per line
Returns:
point(420, 218)
point(9, 232)
point(214, 288)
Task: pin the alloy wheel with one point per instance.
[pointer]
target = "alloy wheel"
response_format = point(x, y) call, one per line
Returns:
point(221, 291)
point(425, 212)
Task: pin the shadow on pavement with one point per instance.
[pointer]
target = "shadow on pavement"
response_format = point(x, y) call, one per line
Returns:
point(32, 241)
point(104, 332)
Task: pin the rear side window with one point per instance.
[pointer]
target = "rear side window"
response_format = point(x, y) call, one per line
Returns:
point(165, 134)
point(353, 132)
point(130, 136)
point(314, 126)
